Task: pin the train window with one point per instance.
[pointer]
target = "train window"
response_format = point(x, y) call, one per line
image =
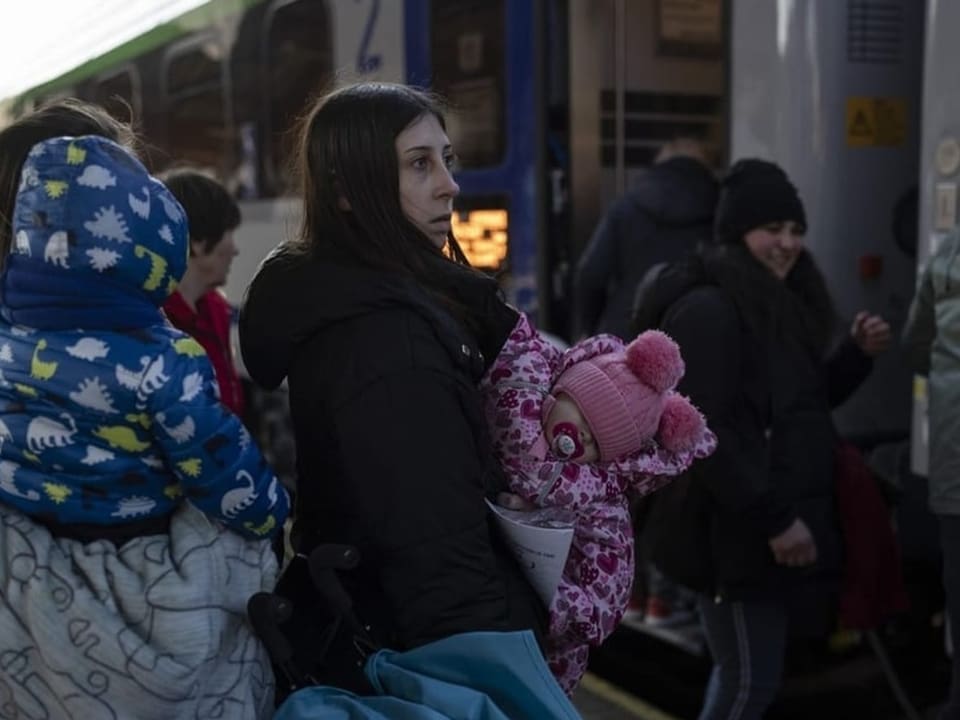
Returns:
point(299, 65)
point(119, 93)
point(197, 130)
point(199, 65)
point(468, 56)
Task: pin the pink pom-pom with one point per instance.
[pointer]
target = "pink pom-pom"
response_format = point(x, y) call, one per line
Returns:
point(681, 424)
point(655, 358)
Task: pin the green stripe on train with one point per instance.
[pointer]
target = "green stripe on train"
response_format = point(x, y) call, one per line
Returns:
point(191, 21)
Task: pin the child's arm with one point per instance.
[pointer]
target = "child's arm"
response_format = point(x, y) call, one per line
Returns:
point(550, 482)
point(220, 469)
point(597, 579)
point(525, 358)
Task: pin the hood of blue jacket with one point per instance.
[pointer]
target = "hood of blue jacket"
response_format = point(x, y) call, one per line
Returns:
point(87, 209)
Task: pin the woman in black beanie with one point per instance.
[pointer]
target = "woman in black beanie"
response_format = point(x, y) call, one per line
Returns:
point(753, 528)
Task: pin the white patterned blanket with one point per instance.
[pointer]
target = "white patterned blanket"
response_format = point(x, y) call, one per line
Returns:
point(154, 630)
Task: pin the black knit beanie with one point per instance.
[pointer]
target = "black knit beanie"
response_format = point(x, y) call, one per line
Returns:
point(755, 193)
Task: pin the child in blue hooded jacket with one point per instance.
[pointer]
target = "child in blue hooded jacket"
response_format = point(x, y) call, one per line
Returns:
point(135, 512)
point(109, 417)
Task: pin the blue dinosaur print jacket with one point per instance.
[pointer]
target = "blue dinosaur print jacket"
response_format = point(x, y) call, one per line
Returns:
point(109, 415)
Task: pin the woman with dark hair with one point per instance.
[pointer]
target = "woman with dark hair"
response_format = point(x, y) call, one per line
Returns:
point(382, 330)
point(753, 528)
point(122, 590)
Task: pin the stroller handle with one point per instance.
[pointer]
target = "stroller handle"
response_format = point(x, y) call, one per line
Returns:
point(266, 612)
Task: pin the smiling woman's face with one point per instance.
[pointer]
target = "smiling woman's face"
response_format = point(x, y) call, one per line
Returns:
point(427, 188)
point(776, 245)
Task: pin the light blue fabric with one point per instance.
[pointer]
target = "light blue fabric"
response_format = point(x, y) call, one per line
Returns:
point(471, 676)
point(328, 703)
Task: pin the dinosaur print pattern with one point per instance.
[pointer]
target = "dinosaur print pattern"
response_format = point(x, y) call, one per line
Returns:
point(88, 348)
point(93, 394)
point(121, 437)
point(122, 413)
point(158, 267)
point(41, 369)
point(44, 433)
point(238, 499)
point(57, 250)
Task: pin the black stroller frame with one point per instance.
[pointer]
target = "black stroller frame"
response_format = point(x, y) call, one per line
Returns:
point(310, 616)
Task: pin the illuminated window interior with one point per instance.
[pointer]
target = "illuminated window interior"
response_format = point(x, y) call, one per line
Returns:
point(483, 236)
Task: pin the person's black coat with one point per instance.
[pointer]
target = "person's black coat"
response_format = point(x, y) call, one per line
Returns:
point(756, 371)
point(661, 219)
point(392, 453)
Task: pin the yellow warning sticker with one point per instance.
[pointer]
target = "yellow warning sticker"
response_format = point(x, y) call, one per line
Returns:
point(876, 121)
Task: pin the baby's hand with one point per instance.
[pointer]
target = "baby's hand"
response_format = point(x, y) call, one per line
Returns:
point(514, 502)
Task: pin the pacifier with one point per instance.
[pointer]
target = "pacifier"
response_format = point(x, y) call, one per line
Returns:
point(566, 441)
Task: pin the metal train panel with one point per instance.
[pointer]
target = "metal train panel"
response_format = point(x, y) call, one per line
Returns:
point(831, 91)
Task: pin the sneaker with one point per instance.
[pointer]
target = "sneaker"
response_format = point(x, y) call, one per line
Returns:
point(660, 613)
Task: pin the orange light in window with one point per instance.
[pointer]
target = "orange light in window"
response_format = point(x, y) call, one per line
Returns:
point(483, 236)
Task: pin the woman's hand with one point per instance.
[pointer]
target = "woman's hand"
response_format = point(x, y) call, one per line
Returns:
point(514, 502)
point(871, 333)
point(795, 546)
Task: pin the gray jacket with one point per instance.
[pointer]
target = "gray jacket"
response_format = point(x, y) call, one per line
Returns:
point(931, 339)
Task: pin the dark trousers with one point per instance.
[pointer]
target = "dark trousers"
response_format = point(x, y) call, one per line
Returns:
point(747, 641)
point(950, 546)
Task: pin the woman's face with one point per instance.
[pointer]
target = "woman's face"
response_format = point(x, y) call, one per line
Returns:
point(776, 246)
point(427, 188)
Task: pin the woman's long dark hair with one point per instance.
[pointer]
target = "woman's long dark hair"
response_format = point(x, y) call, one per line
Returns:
point(347, 152)
point(69, 117)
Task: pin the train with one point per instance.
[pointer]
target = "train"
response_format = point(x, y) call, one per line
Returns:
point(557, 107)
point(221, 86)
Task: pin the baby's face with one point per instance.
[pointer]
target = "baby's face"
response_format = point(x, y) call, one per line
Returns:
point(565, 419)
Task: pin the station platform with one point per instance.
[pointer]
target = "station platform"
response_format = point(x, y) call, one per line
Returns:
point(597, 699)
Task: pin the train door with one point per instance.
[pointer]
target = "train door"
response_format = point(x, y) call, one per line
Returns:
point(483, 57)
point(831, 91)
point(641, 72)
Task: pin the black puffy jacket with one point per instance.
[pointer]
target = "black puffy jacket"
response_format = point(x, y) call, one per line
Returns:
point(659, 220)
point(767, 393)
point(392, 453)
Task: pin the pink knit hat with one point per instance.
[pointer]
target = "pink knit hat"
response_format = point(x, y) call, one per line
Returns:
point(623, 395)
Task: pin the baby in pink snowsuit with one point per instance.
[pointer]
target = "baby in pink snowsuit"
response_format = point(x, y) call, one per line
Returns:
point(580, 429)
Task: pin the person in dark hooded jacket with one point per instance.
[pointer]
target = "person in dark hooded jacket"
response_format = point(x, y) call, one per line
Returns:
point(753, 528)
point(383, 331)
point(660, 220)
